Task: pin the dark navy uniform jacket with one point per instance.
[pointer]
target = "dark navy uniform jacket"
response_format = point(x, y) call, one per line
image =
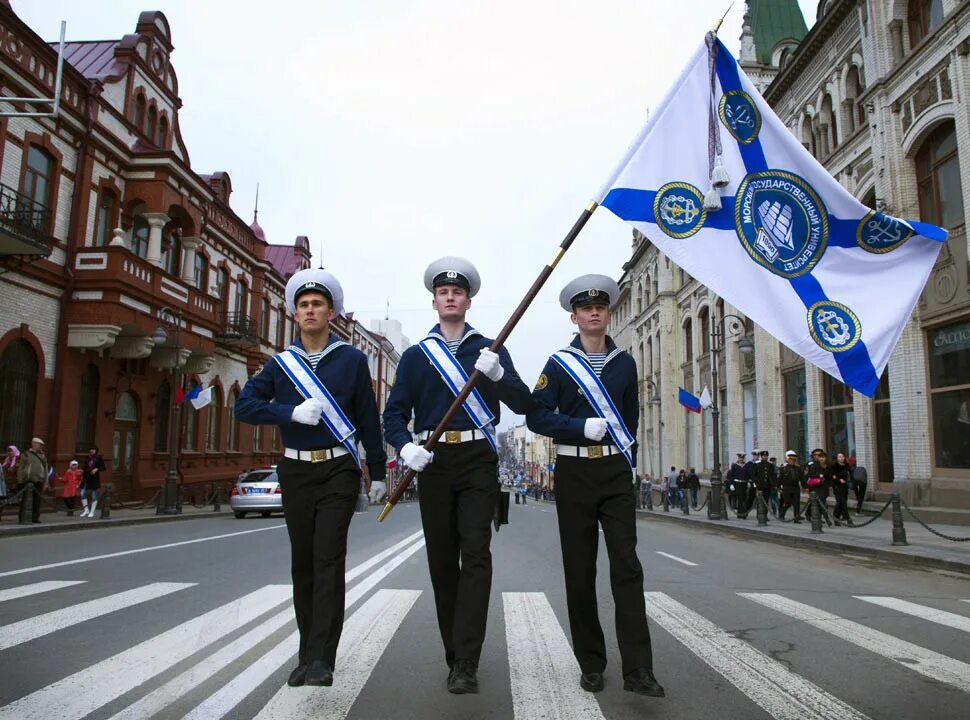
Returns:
point(269, 397)
point(419, 389)
point(560, 410)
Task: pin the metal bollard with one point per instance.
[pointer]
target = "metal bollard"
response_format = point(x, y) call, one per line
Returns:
point(650, 500)
point(217, 499)
point(816, 512)
point(26, 504)
point(899, 532)
point(686, 503)
point(105, 499)
point(762, 509)
point(666, 499)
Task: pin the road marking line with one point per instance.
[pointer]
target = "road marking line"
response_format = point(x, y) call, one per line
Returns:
point(36, 588)
point(93, 558)
point(236, 690)
point(542, 667)
point(365, 566)
point(781, 693)
point(40, 625)
point(128, 669)
point(941, 617)
point(916, 658)
point(677, 559)
point(365, 637)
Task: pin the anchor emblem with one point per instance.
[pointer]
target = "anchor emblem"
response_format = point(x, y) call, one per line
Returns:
point(833, 328)
point(679, 210)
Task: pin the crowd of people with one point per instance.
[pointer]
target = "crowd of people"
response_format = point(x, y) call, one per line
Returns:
point(30, 474)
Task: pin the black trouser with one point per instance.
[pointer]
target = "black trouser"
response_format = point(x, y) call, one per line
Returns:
point(790, 498)
point(34, 490)
point(746, 499)
point(590, 493)
point(319, 501)
point(841, 493)
point(459, 490)
point(860, 494)
point(69, 505)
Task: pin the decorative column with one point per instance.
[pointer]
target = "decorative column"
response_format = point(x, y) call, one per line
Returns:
point(189, 247)
point(156, 222)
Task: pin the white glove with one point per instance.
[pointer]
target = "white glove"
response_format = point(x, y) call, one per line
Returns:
point(595, 428)
point(416, 457)
point(488, 364)
point(308, 412)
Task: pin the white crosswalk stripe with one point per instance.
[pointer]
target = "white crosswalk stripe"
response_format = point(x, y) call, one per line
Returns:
point(36, 588)
point(781, 693)
point(941, 617)
point(919, 659)
point(40, 625)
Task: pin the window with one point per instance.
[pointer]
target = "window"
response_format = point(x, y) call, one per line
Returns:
point(150, 126)
point(924, 17)
point(162, 132)
point(949, 350)
point(232, 442)
point(240, 304)
point(18, 388)
point(191, 423)
point(883, 424)
point(829, 126)
point(938, 179)
point(171, 252)
point(257, 438)
point(201, 270)
point(39, 177)
point(163, 408)
point(105, 217)
point(139, 237)
point(749, 396)
point(838, 416)
point(87, 409)
point(280, 326)
point(264, 318)
point(139, 118)
point(688, 340)
point(214, 421)
point(855, 113)
point(222, 282)
point(705, 317)
point(796, 412)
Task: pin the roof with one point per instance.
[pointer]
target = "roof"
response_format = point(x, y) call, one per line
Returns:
point(774, 20)
point(94, 59)
point(258, 231)
point(285, 259)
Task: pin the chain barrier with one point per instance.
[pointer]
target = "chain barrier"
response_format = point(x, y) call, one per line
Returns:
point(927, 527)
point(871, 520)
point(704, 504)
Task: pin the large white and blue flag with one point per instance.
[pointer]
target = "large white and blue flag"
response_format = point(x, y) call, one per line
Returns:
point(718, 183)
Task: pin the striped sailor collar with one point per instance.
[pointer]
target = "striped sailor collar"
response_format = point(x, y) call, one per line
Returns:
point(332, 344)
point(576, 348)
point(435, 332)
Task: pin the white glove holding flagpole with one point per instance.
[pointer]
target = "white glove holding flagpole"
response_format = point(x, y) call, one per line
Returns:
point(488, 364)
point(308, 412)
point(416, 457)
point(595, 428)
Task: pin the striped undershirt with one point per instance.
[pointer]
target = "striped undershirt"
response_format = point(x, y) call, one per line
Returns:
point(314, 359)
point(453, 345)
point(596, 361)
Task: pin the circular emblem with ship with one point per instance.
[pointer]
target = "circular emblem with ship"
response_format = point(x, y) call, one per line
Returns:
point(834, 327)
point(740, 116)
point(679, 210)
point(880, 233)
point(781, 222)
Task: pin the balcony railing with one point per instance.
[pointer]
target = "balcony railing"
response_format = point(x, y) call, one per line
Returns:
point(239, 328)
point(24, 225)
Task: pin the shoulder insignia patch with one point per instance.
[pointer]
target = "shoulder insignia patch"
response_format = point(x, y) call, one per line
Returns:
point(542, 382)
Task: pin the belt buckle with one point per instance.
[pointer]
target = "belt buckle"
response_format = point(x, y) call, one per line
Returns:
point(594, 451)
point(452, 436)
point(318, 456)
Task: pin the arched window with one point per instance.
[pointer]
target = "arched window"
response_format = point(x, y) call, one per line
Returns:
point(87, 409)
point(107, 202)
point(171, 251)
point(201, 270)
point(151, 124)
point(232, 442)
point(688, 340)
point(139, 237)
point(241, 295)
point(162, 138)
point(18, 388)
point(924, 17)
point(39, 178)
point(808, 136)
point(938, 179)
point(280, 326)
point(191, 423)
point(855, 114)
point(163, 408)
point(257, 438)
point(705, 319)
point(214, 421)
point(828, 126)
point(264, 317)
point(139, 119)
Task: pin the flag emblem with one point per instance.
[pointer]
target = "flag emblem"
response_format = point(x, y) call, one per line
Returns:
point(781, 222)
point(834, 327)
point(679, 209)
point(879, 233)
point(740, 116)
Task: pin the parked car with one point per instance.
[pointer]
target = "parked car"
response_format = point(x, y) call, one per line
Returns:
point(257, 491)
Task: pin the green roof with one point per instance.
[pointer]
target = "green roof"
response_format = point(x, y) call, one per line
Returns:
point(774, 20)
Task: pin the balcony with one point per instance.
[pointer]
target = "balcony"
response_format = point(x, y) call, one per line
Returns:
point(240, 329)
point(23, 226)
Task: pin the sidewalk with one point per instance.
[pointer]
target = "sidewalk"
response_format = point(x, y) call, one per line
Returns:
point(874, 540)
point(60, 522)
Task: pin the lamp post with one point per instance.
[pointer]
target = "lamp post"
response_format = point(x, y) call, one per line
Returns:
point(716, 509)
point(655, 401)
point(168, 501)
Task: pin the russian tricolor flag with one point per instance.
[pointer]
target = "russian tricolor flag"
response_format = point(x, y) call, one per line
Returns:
point(689, 401)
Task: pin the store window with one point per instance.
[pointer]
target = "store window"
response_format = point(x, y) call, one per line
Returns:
point(749, 394)
point(838, 416)
point(949, 350)
point(883, 425)
point(796, 412)
point(938, 179)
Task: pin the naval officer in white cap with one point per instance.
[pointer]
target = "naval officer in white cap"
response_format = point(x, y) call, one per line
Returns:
point(318, 391)
point(459, 480)
point(587, 401)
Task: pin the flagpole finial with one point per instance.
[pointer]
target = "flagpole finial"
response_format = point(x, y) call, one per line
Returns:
point(717, 25)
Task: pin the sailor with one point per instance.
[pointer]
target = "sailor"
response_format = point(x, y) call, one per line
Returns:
point(586, 400)
point(746, 490)
point(459, 480)
point(763, 475)
point(319, 392)
point(737, 487)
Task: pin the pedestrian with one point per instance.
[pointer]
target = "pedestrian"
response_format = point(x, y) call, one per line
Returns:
point(32, 473)
point(9, 466)
point(72, 486)
point(737, 486)
point(790, 479)
point(524, 491)
point(319, 393)
point(594, 426)
point(764, 475)
point(646, 490)
point(746, 497)
point(818, 478)
point(664, 491)
point(673, 486)
point(459, 480)
point(840, 476)
point(773, 488)
point(860, 481)
point(91, 481)
point(693, 486)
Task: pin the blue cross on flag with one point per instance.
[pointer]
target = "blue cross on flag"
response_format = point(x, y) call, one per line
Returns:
point(788, 246)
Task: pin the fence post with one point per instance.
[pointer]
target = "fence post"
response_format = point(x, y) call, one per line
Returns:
point(815, 511)
point(666, 499)
point(217, 500)
point(899, 532)
point(762, 509)
point(686, 495)
point(106, 503)
point(26, 504)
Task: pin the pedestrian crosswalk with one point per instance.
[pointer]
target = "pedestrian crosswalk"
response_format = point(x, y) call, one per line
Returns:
point(181, 671)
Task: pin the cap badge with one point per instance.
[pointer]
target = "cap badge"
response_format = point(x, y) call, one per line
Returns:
point(309, 284)
point(593, 292)
point(451, 274)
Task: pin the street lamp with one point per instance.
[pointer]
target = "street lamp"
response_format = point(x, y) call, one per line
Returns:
point(733, 327)
point(168, 501)
point(654, 400)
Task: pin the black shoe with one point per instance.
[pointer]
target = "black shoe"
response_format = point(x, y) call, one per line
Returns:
point(796, 521)
point(642, 682)
point(591, 682)
point(319, 673)
point(297, 677)
point(462, 678)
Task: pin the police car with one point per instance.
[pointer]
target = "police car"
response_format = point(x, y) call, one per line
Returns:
point(257, 491)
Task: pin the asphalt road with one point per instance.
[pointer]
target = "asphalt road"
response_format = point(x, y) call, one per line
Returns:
point(192, 620)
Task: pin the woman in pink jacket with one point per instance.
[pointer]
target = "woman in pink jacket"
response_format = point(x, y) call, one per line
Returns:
point(72, 483)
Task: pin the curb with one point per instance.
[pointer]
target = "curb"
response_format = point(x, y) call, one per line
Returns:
point(899, 557)
point(43, 528)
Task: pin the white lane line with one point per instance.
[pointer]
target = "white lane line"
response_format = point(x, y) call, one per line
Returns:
point(365, 637)
point(93, 558)
point(542, 667)
point(36, 588)
point(129, 669)
point(40, 625)
point(941, 617)
point(677, 559)
point(916, 658)
point(781, 693)
point(235, 691)
point(365, 566)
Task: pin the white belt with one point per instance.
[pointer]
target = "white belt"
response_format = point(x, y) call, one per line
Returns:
point(592, 452)
point(315, 455)
point(453, 437)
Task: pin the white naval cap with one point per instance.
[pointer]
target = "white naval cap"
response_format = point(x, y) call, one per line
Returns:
point(452, 271)
point(315, 280)
point(589, 290)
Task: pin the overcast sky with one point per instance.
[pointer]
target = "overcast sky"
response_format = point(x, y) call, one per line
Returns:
point(392, 132)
